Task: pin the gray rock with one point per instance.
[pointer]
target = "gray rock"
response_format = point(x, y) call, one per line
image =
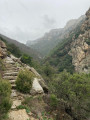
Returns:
point(36, 87)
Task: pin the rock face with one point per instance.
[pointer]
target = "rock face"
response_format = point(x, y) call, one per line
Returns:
point(3, 51)
point(80, 48)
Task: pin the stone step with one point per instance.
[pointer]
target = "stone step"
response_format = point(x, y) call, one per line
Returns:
point(12, 81)
point(10, 74)
point(13, 86)
point(10, 65)
point(13, 68)
point(9, 62)
point(10, 77)
point(9, 71)
point(14, 93)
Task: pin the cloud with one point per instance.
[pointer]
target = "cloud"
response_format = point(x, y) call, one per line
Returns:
point(29, 19)
point(48, 22)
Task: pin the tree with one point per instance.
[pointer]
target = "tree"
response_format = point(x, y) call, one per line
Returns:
point(5, 103)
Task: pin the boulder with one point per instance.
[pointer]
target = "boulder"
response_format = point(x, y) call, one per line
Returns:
point(36, 87)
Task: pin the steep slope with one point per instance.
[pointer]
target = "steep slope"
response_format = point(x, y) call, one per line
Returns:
point(25, 49)
point(73, 53)
point(12, 67)
point(45, 44)
point(80, 48)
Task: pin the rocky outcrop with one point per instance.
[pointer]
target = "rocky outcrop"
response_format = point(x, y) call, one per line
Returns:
point(80, 48)
point(3, 51)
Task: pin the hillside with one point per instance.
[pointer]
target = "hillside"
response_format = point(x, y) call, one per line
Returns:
point(25, 49)
point(45, 44)
point(73, 53)
point(61, 88)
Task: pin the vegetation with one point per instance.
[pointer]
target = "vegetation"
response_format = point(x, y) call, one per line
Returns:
point(48, 70)
point(24, 107)
point(74, 89)
point(14, 50)
point(5, 103)
point(53, 101)
point(24, 81)
point(60, 58)
point(87, 41)
point(26, 59)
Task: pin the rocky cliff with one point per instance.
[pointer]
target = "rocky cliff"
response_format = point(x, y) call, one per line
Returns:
point(80, 48)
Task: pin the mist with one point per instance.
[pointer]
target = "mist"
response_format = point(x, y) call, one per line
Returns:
point(25, 20)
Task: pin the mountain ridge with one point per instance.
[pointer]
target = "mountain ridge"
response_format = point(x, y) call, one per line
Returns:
point(25, 49)
point(46, 43)
point(73, 52)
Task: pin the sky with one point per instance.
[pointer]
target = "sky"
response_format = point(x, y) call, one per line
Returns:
point(25, 20)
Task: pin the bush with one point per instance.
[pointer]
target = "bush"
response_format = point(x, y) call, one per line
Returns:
point(5, 103)
point(75, 90)
point(48, 70)
point(14, 50)
point(24, 81)
point(53, 101)
point(26, 59)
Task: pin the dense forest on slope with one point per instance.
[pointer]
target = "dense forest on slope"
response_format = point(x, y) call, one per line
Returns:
point(59, 57)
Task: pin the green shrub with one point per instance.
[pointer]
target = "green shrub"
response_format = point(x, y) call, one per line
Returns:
point(53, 101)
point(24, 81)
point(24, 107)
point(14, 50)
point(5, 103)
point(48, 70)
point(75, 90)
point(26, 59)
point(87, 41)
